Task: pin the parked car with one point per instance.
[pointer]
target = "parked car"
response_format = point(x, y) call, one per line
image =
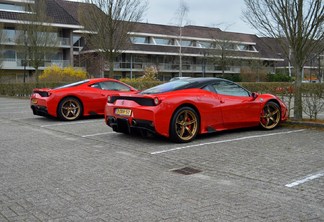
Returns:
point(71, 101)
point(184, 108)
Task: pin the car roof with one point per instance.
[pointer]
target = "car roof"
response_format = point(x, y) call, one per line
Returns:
point(199, 82)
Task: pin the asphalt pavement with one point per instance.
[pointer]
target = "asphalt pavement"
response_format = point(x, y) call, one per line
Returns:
point(82, 171)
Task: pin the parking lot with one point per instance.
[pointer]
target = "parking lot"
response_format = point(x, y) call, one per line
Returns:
point(83, 171)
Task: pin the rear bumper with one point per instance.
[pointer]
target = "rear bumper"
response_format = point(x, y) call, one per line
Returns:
point(128, 126)
point(39, 110)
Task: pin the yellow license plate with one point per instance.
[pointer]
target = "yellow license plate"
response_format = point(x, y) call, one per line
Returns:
point(34, 101)
point(123, 112)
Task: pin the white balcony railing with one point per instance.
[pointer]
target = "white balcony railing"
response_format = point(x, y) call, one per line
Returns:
point(19, 63)
point(169, 67)
point(64, 41)
point(59, 42)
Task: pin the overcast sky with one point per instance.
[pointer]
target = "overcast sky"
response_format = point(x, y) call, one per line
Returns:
point(223, 14)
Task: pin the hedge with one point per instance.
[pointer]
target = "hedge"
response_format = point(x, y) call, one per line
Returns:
point(281, 88)
point(23, 89)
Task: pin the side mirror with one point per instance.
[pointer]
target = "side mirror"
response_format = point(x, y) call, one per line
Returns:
point(254, 95)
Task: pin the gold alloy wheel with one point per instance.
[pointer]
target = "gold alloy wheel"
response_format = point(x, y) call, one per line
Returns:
point(270, 116)
point(186, 125)
point(71, 109)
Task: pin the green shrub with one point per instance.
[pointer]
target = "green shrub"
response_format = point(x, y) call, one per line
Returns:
point(278, 77)
point(140, 83)
point(57, 74)
point(150, 74)
point(233, 77)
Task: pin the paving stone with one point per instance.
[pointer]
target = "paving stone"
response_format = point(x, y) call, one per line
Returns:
point(53, 174)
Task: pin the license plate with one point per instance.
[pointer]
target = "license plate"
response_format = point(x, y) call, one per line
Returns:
point(123, 112)
point(34, 101)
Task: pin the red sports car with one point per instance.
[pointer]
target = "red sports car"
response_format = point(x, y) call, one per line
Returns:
point(184, 108)
point(70, 102)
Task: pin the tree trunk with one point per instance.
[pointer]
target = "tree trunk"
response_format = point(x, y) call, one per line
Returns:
point(298, 108)
point(37, 76)
point(111, 69)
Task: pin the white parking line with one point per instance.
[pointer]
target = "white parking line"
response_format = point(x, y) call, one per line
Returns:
point(14, 103)
point(226, 141)
point(14, 112)
point(305, 179)
point(97, 134)
point(13, 107)
point(70, 123)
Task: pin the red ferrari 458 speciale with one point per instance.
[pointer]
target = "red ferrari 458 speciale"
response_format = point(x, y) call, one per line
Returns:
point(71, 101)
point(184, 108)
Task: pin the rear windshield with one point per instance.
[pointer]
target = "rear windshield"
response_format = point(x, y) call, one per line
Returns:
point(72, 84)
point(166, 87)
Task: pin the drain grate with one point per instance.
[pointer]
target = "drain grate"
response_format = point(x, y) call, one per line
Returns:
point(186, 171)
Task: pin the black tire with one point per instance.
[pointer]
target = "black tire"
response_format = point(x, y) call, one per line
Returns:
point(69, 109)
point(184, 125)
point(270, 116)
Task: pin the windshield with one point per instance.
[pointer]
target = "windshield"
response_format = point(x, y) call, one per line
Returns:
point(72, 84)
point(166, 87)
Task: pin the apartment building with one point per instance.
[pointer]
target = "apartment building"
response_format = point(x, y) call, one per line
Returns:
point(14, 14)
point(198, 51)
point(173, 51)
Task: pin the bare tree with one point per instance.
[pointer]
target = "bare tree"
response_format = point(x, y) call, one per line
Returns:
point(109, 24)
point(221, 50)
point(181, 14)
point(298, 25)
point(37, 37)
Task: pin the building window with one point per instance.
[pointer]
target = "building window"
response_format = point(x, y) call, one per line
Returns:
point(9, 54)
point(54, 56)
point(243, 47)
point(185, 43)
point(205, 45)
point(140, 40)
point(163, 41)
point(229, 46)
point(9, 35)
point(11, 7)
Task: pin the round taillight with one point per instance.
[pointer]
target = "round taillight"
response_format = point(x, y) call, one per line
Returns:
point(156, 101)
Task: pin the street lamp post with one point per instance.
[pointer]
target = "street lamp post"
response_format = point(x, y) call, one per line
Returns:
point(204, 63)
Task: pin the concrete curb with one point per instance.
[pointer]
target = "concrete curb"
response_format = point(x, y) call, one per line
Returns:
point(305, 123)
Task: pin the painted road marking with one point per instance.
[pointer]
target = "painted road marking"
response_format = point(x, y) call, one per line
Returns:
point(97, 134)
point(305, 179)
point(14, 112)
point(77, 122)
point(12, 106)
point(226, 141)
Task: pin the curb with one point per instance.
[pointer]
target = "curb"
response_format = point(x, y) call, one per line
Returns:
point(305, 123)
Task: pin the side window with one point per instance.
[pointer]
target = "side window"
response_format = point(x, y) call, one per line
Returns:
point(96, 85)
point(209, 88)
point(114, 86)
point(229, 88)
